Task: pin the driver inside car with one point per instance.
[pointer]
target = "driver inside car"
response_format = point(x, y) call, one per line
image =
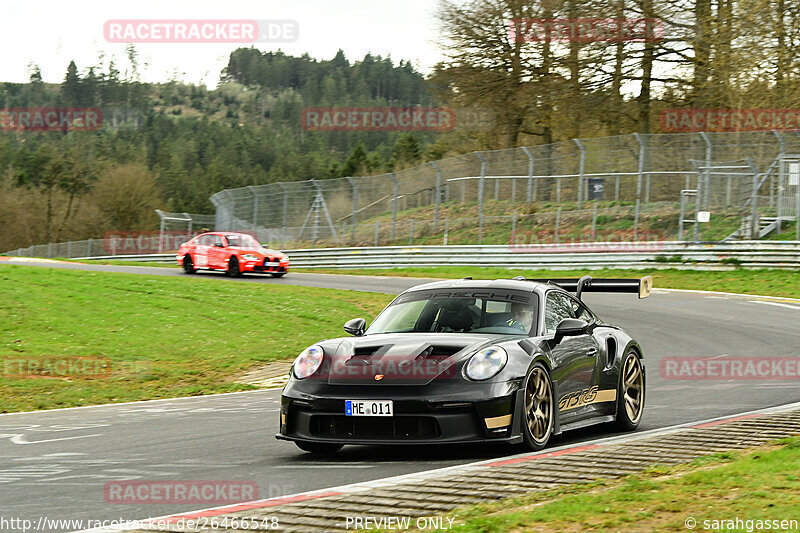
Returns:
point(521, 317)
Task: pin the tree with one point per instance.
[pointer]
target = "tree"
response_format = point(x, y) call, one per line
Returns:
point(71, 90)
point(127, 196)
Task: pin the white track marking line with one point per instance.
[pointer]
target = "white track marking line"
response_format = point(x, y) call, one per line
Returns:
point(795, 307)
point(697, 291)
point(19, 438)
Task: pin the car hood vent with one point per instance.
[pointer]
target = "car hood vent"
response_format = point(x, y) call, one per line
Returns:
point(401, 359)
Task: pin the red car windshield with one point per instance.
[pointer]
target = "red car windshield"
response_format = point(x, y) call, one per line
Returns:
point(242, 241)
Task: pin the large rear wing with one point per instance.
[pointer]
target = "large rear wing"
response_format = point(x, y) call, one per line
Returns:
point(641, 286)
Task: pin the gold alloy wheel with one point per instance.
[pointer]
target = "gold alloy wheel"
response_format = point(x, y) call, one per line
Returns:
point(539, 405)
point(633, 387)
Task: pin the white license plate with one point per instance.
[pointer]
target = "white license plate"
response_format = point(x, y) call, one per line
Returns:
point(272, 263)
point(368, 407)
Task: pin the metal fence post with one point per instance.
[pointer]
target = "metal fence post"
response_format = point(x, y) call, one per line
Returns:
point(531, 192)
point(285, 216)
point(781, 153)
point(706, 191)
point(355, 204)
point(480, 196)
point(514, 189)
point(581, 168)
point(797, 212)
point(754, 209)
point(437, 194)
point(377, 229)
point(514, 228)
point(558, 188)
point(160, 233)
point(255, 205)
point(638, 186)
point(411, 232)
point(394, 206)
point(558, 223)
point(446, 228)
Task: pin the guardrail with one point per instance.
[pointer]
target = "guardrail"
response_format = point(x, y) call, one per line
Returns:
point(657, 254)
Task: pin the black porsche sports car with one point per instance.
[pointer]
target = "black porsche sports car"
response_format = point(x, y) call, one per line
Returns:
point(469, 361)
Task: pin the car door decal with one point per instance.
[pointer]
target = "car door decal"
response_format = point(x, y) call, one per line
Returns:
point(586, 397)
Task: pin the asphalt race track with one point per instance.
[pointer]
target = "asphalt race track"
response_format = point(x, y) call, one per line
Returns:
point(55, 463)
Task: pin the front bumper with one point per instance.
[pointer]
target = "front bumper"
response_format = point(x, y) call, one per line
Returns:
point(267, 265)
point(427, 414)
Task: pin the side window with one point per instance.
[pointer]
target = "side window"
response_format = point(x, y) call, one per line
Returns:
point(217, 240)
point(558, 308)
point(206, 240)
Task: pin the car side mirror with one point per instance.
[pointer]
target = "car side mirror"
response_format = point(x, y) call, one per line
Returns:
point(570, 327)
point(356, 326)
point(219, 245)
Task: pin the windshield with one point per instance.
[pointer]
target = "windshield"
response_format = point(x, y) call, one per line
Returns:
point(485, 311)
point(242, 241)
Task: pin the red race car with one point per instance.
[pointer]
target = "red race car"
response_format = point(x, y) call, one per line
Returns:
point(234, 253)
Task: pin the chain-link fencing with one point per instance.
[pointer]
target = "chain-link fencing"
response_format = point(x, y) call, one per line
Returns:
point(685, 186)
point(727, 174)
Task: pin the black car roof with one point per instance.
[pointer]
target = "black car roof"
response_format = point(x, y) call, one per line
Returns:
point(519, 285)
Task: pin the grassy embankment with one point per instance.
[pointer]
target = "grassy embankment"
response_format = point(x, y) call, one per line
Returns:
point(142, 337)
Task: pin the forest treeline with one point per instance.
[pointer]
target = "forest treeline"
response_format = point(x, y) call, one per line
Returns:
point(171, 145)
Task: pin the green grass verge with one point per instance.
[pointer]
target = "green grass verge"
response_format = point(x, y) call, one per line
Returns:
point(158, 337)
point(764, 282)
point(120, 262)
point(761, 484)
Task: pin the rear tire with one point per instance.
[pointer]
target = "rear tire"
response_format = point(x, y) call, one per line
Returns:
point(539, 409)
point(630, 392)
point(319, 448)
point(188, 264)
point(233, 267)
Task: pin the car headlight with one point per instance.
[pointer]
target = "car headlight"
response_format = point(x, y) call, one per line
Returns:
point(486, 363)
point(250, 257)
point(308, 361)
